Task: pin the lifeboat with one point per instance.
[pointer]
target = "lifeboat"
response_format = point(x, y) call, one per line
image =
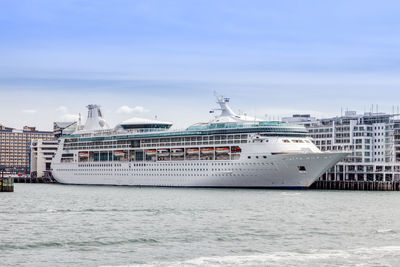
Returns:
point(163, 152)
point(192, 151)
point(177, 152)
point(236, 149)
point(151, 152)
point(119, 153)
point(83, 154)
point(207, 150)
point(222, 150)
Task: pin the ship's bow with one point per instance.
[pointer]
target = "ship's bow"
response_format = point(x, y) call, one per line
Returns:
point(302, 170)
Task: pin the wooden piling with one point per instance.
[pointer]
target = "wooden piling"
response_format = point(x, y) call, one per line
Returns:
point(6, 184)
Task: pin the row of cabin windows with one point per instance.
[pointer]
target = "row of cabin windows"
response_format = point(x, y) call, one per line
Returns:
point(155, 141)
point(179, 174)
point(101, 145)
point(172, 169)
point(169, 164)
point(191, 143)
point(178, 165)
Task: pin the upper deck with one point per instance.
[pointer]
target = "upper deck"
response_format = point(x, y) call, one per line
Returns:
point(226, 123)
point(267, 128)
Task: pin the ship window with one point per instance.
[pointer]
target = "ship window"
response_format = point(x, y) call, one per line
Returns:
point(301, 168)
point(249, 157)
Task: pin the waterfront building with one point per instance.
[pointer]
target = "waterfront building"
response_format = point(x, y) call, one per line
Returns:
point(302, 119)
point(15, 146)
point(42, 153)
point(372, 138)
point(3, 128)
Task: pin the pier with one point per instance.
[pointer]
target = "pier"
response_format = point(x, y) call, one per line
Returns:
point(6, 184)
point(34, 180)
point(357, 185)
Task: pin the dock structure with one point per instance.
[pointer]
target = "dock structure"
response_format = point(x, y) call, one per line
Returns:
point(6, 184)
point(34, 180)
point(357, 185)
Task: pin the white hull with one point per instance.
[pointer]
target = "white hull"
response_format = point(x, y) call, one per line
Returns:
point(244, 152)
point(276, 171)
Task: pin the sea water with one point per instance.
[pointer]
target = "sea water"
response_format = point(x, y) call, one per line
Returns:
point(61, 225)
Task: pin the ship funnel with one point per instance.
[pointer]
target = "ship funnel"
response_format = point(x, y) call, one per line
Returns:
point(95, 119)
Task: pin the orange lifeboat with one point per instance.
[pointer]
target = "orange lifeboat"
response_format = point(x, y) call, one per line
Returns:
point(192, 151)
point(151, 152)
point(236, 149)
point(207, 150)
point(163, 152)
point(222, 150)
point(177, 152)
point(119, 153)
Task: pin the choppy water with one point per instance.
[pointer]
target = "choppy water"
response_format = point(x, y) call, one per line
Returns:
point(57, 225)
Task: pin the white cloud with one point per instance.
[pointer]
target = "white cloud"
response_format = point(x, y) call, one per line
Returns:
point(70, 117)
point(29, 111)
point(62, 109)
point(129, 110)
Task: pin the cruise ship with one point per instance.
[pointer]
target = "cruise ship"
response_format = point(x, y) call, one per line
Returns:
point(232, 150)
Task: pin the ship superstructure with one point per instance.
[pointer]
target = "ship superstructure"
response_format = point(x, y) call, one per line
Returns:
point(230, 151)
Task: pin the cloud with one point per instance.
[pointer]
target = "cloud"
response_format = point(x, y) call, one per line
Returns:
point(29, 111)
point(70, 117)
point(62, 109)
point(129, 110)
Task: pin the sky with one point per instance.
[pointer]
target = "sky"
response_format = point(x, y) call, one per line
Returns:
point(165, 58)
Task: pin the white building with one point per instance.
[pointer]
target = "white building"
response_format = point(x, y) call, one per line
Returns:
point(302, 119)
point(373, 139)
point(42, 152)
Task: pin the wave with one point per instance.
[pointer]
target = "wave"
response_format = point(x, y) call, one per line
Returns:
point(375, 256)
point(385, 231)
point(94, 243)
point(80, 211)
